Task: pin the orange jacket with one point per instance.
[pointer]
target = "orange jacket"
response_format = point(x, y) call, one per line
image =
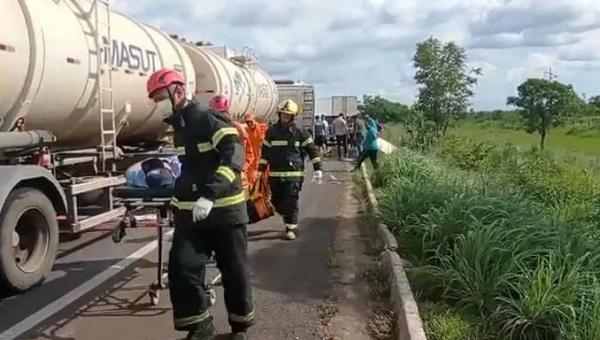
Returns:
point(256, 133)
point(249, 153)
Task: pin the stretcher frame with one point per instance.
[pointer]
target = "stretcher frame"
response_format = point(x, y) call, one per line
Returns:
point(164, 218)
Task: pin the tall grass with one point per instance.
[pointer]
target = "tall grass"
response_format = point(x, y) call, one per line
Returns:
point(506, 239)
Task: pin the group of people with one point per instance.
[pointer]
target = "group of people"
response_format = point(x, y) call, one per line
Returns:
point(219, 162)
point(361, 133)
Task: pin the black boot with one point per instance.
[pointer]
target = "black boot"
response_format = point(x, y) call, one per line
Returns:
point(239, 336)
point(204, 331)
point(238, 330)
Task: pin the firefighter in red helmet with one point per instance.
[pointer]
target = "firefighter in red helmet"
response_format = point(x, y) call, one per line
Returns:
point(209, 210)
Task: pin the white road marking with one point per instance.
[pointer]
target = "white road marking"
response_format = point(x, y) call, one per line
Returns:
point(56, 306)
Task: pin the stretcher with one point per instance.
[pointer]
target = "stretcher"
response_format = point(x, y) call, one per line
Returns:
point(157, 201)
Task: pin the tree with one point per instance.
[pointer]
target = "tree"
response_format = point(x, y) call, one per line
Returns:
point(384, 110)
point(544, 104)
point(445, 84)
point(595, 101)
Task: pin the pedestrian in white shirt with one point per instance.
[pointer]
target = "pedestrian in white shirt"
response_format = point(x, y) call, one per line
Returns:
point(340, 129)
point(328, 133)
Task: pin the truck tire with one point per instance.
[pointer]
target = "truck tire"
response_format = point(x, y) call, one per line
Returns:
point(28, 239)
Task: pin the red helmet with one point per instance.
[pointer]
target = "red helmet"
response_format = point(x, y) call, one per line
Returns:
point(219, 103)
point(162, 79)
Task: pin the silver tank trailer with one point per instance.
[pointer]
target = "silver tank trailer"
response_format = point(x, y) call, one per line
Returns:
point(249, 89)
point(48, 73)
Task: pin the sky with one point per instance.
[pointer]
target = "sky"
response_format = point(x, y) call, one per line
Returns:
point(356, 47)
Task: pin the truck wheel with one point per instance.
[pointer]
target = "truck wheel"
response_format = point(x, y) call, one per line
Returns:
point(28, 239)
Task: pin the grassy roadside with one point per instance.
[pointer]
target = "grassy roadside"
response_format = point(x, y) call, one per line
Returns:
point(504, 248)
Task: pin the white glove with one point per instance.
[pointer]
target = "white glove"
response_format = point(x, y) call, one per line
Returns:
point(317, 177)
point(202, 208)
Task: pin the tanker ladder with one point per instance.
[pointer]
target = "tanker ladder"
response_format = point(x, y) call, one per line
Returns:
point(108, 131)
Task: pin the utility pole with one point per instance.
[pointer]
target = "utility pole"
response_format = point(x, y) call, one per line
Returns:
point(551, 75)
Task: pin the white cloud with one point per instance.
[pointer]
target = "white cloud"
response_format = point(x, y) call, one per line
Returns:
point(357, 47)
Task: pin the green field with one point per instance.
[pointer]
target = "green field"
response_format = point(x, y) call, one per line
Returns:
point(583, 149)
point(558, 140)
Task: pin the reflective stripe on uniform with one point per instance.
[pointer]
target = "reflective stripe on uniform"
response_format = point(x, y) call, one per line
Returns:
point(190, 320)
point(283, 143)
point(205, 147)
point(182, 205)
point(308, 141)
point(219, 202)
point(230, 200)
point(217, 136)
point(180, 151)
point(226, 172)
point(291, 226)
point(266, 143)
point(316, 160)
point(242, 318)
point(263, 161)
point(286, 174)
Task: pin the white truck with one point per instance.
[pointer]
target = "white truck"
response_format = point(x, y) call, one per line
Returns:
point(304, 95)
point(74, 114)
point(348, 105)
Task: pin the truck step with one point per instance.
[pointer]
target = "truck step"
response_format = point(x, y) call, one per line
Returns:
point(95, 220)
point(94, 183)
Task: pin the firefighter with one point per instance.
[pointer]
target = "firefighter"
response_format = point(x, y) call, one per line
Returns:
point(209, 211)
point(284, 149)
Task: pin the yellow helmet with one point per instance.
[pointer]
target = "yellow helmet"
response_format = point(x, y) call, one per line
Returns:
point(289, 107)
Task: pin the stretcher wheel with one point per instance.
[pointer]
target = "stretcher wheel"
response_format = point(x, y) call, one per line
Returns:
point(119, 232)
point(212, 296)
point(154, 297)
point(164, 280)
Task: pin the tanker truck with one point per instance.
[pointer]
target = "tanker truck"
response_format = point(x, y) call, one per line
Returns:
point(74, 114)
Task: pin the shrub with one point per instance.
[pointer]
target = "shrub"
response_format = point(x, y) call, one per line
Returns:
point(442, 323)
point(508, 238)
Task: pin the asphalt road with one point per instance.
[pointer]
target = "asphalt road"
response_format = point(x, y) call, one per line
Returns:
point(97, 289)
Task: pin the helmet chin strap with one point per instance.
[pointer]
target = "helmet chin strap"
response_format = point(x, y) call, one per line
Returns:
point(174, 119)
point(288, 123)
point(171, 99)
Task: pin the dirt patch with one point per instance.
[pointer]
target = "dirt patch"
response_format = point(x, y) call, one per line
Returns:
point(328, 309)
point(381, 317)
point(355, 308)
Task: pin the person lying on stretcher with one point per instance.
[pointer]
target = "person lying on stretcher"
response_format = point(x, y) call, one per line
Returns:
point(154, 173)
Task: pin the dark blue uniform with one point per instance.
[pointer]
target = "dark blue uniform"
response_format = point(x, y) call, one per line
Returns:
point(284, 150)
point(212, 156)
